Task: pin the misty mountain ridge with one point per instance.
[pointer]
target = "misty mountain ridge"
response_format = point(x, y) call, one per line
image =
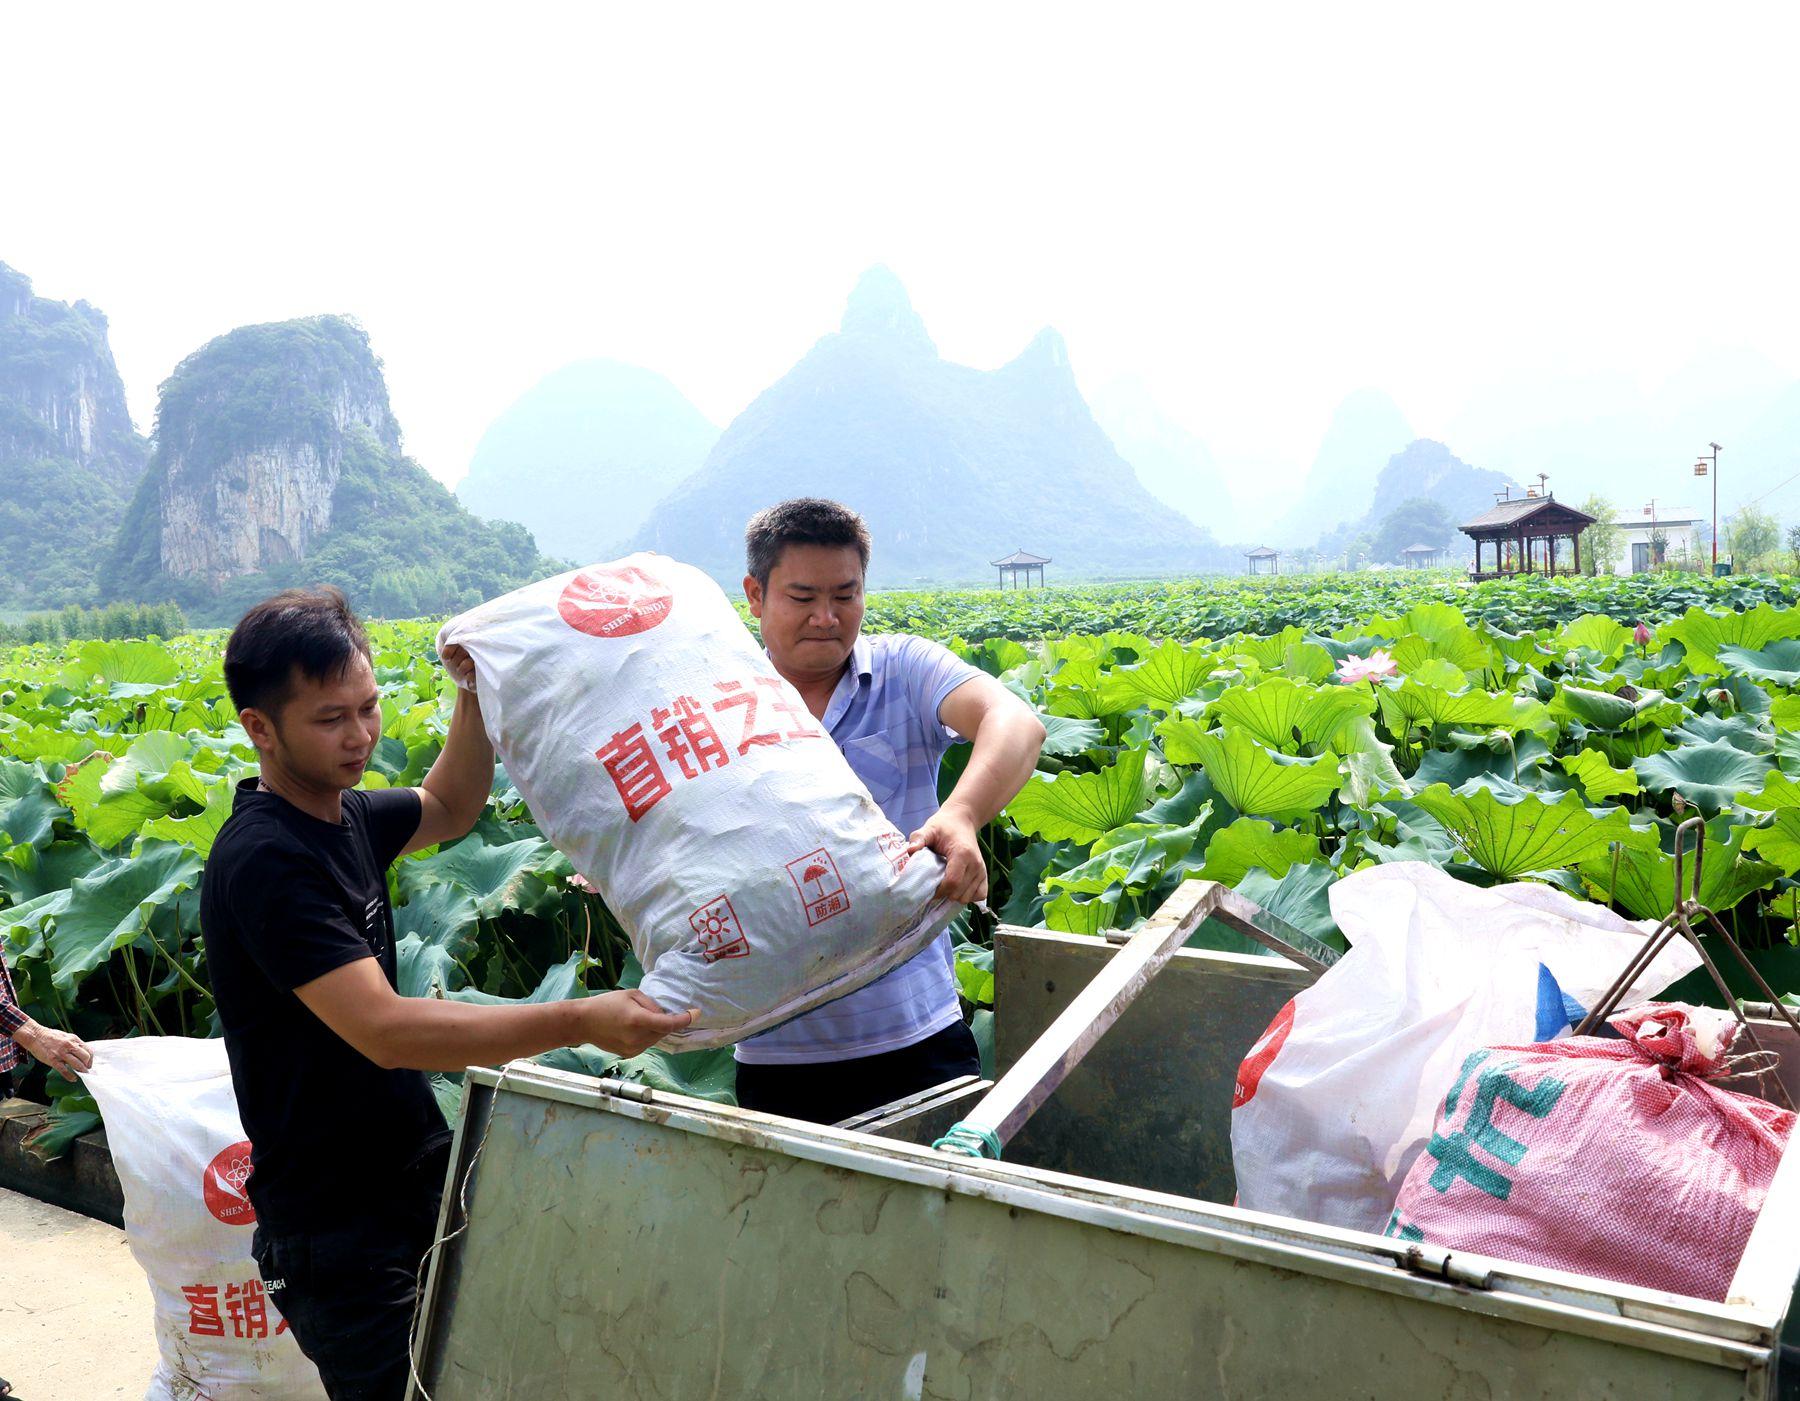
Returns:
point(951, 466)
point(581, 457)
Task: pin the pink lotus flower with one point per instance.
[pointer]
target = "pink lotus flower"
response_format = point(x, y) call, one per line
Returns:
point(582, 884)
point(1377, 664)
point(1641, 635)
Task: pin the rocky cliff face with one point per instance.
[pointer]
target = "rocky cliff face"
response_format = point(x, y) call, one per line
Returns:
point(278, 462)
point(242, 492)
point(68, 453)
point(951, 466)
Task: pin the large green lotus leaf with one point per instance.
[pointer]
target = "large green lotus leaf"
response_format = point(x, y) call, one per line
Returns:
point(29, 810)
point(1065, 735)
point(47, 744)
point(1778, 843)
point(974, 970)
point(1521, 647)
point(1300, 896)
point(1075, 690)
point(1603, 710)
point(1081, 806)
point(1703, 633)
point(1414, 702)
point(1069, 913)
point(1368, 762)
point(700, 1074)
point(28, 872)
point(1509, 839)
point(1276, 709)
point(1131, 857)
point(1170, 673)
point(1464, 650)
point(1025, 902)
point(1436, 622)
point(1249, 843)
point(115, 663)
point(1785, 712)
point(1307, 661)
point(1779, 790)
point(1778, 662)
point(560, 983)
point(1745, 732)
point(1707, 775)
point(1596, 632)
point(131, 798)
point(1644, 883)
point(1249, 777)
point(1599, 779)
point(1498, 754)
point(1435, 671)
point(104, 910)
point(1268, 651)
point(521, 875)
point(197, 830)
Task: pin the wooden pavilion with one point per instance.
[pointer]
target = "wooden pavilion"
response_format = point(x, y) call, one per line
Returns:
point(1260, 556)
point(1017, 563)
point(1525, 533)
point(1422, 556)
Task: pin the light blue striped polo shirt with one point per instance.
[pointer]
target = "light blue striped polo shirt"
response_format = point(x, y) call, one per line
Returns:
point(884, 716)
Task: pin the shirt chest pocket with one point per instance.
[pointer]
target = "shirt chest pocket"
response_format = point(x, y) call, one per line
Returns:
point(879, 760)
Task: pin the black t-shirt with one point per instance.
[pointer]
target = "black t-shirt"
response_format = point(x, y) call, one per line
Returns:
point(287, 898)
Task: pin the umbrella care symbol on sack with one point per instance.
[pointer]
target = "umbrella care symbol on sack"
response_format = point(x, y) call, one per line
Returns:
point(222, 1185)
point(615, 601)
point(815, 876)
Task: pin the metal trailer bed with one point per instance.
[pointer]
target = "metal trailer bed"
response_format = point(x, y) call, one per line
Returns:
point(623, 1242)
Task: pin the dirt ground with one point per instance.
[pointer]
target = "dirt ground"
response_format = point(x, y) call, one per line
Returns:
point(75, 1316)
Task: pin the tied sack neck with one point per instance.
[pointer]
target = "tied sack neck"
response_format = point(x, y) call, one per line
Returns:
point(1683, 1040)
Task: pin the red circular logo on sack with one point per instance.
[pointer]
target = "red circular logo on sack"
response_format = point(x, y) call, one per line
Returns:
point(1262, 1054)
point(614, 602)
point(223, 1186)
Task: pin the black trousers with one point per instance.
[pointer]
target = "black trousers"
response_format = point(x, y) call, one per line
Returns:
point(826, 1092)
point(347, 1290)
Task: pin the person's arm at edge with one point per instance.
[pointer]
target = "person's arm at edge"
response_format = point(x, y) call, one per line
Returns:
point(429, 1033)
point(1005, 738)
point(456, 789)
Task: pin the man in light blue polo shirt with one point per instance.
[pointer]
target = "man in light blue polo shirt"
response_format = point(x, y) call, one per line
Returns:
point(893, 703)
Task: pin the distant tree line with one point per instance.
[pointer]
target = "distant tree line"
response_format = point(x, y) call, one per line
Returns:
point(116, 620)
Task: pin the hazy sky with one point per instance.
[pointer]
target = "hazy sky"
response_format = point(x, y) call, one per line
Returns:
point(1257, 209)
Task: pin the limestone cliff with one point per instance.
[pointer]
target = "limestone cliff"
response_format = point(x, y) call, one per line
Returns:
point(69, 456)
point(277, 460)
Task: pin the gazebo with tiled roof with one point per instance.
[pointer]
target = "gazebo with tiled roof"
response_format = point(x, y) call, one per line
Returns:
point(1017, 563)
point(1524, 533)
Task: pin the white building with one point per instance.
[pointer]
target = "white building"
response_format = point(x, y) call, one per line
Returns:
point(1679, 528)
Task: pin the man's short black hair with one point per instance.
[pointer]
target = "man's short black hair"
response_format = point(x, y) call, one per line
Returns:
point(805, 520)
point(309, 631)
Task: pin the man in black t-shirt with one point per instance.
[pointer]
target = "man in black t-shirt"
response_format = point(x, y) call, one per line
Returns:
point(349, 1149)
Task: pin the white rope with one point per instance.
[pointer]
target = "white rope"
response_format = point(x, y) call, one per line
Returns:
point(462, 1206)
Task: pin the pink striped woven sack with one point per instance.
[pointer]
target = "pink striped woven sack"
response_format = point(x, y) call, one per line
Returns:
point(1614, 1158)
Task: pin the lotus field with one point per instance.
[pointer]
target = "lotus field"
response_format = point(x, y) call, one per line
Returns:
point(1272, 735)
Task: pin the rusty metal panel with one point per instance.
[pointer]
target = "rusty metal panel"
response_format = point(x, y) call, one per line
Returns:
point(1150, 1106)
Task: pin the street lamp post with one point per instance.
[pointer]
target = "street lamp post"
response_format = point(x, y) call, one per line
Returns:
point(1700, 471)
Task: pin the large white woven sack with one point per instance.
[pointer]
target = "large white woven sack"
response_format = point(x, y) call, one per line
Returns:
point(1336, 1100)
point(661, 752)
point(180, 1152)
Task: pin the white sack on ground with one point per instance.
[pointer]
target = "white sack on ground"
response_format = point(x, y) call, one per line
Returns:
point(661, 752)
point(178, 1147)
point(1337, 1098)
